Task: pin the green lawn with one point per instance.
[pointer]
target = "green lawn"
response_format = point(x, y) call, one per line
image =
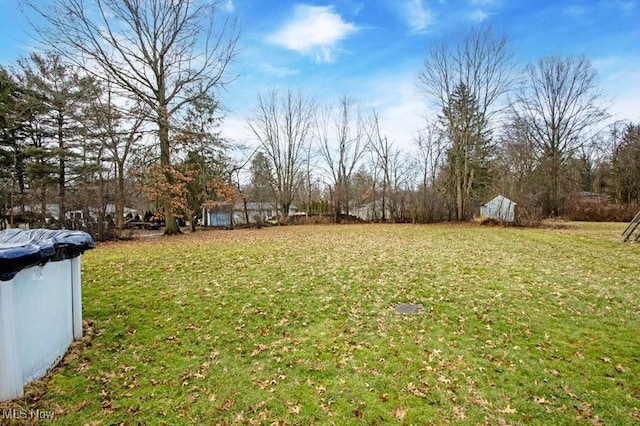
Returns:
point(295, 325)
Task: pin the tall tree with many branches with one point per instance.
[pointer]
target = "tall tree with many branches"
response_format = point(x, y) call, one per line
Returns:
point(481, 62)
point(560, 108)
point(166, 54)
point(119, 129)
point(64, 93)
point(283, 126)
point(343, 142)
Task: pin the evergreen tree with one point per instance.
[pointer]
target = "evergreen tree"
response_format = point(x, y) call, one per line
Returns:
point(468, 156)
point(207, 162)
point(261, 185)
point(626, 166)
point(62, 93)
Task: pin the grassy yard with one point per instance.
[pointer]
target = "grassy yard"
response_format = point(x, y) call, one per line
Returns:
point(295, 325)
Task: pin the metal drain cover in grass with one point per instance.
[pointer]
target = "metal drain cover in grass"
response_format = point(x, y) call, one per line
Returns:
point(407, 308)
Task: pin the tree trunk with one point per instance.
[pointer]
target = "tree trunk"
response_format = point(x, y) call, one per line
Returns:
point(120, 195)
point(170, 224)
point(458, 189)
point(285, 210)
point(246, 210)
point(62, 175)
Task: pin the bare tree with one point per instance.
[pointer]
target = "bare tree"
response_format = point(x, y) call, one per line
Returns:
point(118, 128)
point(430, 160)
point(382, 152)
point(391, 168)
point(166, 54)
point(480, 60)
point(400, 168)
point(283, 127)
point(342, 142)
point(310, 180)
point(560, 108)
point(466, 80)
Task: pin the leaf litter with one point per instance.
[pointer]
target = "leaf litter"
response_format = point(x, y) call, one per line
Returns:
point(291, 325)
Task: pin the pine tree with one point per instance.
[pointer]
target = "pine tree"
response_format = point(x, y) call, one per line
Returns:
point(62, 93)
point(468, 155)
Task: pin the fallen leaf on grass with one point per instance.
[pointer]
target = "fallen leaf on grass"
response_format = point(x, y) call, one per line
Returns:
point(585, 412)
point(540, 400)
point(419, 392)
point(294, 408)
point(459, 412)
point(259, 349)
point(79, 406)
point(507, 410)
point(399, 413)
point(226, 406)
point(326, 410)
point(480, 401)
point(444, 379)
point(569, 392)
point(58, 410)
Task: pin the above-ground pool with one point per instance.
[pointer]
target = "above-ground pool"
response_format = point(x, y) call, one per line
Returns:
point(40, 302)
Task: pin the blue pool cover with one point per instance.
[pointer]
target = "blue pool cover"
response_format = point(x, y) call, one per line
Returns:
point(20, 249)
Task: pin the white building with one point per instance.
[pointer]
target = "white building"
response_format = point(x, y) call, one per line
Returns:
point(500, 208)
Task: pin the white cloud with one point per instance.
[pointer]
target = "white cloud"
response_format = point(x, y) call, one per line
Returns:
point(417, 14)
point(313, 30)
point(483, 2)
point(276, 71)
point(234, 128)
point(401, 120)
point(228, 6)
point(576, 11)
point(478, 16)
point(481, 10)
point(620, 79)
point(402, 114)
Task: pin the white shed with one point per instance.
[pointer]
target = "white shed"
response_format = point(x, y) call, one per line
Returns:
point(500, 208)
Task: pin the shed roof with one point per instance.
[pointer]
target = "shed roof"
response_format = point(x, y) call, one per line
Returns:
point(499, 200)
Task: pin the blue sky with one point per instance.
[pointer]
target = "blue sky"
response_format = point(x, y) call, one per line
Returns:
point(371, 50)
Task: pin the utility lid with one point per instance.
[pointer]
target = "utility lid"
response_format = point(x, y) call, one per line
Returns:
point(407, 308)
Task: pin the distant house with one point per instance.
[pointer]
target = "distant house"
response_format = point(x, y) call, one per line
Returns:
point(591, 197)
point(94, 213)
point(371, 211)
point(218, 216)
point(500, 208)
point(53, 211)
point(257, 212)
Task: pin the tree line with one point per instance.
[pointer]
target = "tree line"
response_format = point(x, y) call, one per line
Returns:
point(122, 109)
point(539, 135)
